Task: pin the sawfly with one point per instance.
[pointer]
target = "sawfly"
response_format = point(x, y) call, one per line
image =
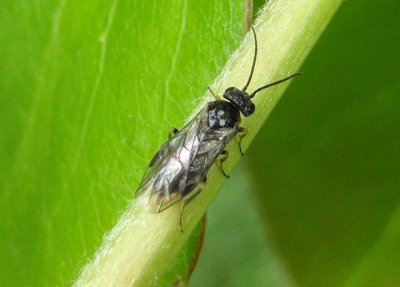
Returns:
point(179, 168)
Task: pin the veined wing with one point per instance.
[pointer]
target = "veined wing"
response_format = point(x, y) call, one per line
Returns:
point(166, 175)
point(211, 146)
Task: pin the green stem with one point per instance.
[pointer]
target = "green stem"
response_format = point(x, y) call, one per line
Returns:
point(142, 246)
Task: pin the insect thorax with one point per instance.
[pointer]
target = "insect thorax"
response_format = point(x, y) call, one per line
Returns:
point(222, 114)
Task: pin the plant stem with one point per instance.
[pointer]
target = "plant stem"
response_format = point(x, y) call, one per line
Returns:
point(142, 246)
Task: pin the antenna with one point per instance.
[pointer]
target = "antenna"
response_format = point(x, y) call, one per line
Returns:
point(254, 61)
point(273, 84)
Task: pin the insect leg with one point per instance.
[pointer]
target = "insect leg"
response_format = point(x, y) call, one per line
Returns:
point(161, 204)
point(215, 96)
point(242, 132)
point(186, 202)
point(172, 132)
point(222, 157)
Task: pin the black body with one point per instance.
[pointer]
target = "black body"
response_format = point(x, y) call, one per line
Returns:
point(222, 114)
point(180, 166)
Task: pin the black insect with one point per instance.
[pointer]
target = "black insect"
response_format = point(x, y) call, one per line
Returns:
point(179, 168)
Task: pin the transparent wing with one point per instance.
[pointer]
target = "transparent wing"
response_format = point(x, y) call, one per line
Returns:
point(166, 175)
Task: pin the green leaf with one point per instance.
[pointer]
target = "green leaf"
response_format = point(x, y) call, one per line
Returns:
point(89, 92)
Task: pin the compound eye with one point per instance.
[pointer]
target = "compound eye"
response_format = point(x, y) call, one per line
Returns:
point(248, 109)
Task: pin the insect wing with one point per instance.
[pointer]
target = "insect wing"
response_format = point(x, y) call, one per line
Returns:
point(166, 175)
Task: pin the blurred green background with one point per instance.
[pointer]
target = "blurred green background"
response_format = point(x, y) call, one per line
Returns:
point(315, 201)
